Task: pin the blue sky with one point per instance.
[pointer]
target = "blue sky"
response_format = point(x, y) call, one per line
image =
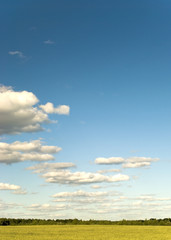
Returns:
point(85, 85)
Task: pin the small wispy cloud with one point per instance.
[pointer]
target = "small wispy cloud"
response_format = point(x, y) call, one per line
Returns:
point(49, 42)
point(18, 53)
point(109, 171)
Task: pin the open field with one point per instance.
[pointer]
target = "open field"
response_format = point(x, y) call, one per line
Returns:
point(93, 232)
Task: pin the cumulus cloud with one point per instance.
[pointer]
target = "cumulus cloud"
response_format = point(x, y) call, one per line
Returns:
point(14, 157)
point(32, 146)
point(26, 151)
point(111, 160)
point(17, 53)
point(68, 177)
point(135, 162)
point(6, 186)
point(19, 113)
point(132, 162)
point(44, 167)
point(61, 109)
point(11, 187)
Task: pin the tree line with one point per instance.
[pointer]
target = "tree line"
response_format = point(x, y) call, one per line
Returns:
point(21, 221)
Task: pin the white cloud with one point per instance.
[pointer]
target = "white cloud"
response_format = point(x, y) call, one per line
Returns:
point(84, 198)
point(49, 42)
point(68, 177)
point(142, 159)
point(44, 167)
point(150, 198)
point(19, 113)
point(101, 211)
point(61, 109)
point(36, 157)
point(4, 206)
point(111, 160)
point(14, 188)
point(132, 162)
point(135, 162)
point(79, 193)
point(26, 151)
point(6, 186)
point(14, 157)
point(12, 101)
point(47, 207)
point(20, 192)
point(96, 186)
point(109, 170)
point(18, 53)
point(32, 146)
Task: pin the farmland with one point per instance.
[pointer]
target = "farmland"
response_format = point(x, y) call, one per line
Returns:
point(85, 232)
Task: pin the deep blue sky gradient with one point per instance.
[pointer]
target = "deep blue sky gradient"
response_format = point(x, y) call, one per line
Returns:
point(110, 62)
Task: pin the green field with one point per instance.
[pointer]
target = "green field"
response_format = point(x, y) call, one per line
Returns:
point(81, 232)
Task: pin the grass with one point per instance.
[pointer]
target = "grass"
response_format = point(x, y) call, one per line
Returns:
point(85, 232)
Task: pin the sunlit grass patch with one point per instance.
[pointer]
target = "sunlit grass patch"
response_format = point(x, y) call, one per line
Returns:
point(85, 232)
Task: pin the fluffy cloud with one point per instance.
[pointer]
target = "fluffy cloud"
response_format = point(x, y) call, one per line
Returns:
point(18, 53)
point(61, 109)
point(111, 160)
point(44, 167)
point(26, 151)
point(32, 146)
point(6, 186)
point(132, 162)
point(11, 187)
point(19, 113)
point(68, 177)
point(135, 162)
